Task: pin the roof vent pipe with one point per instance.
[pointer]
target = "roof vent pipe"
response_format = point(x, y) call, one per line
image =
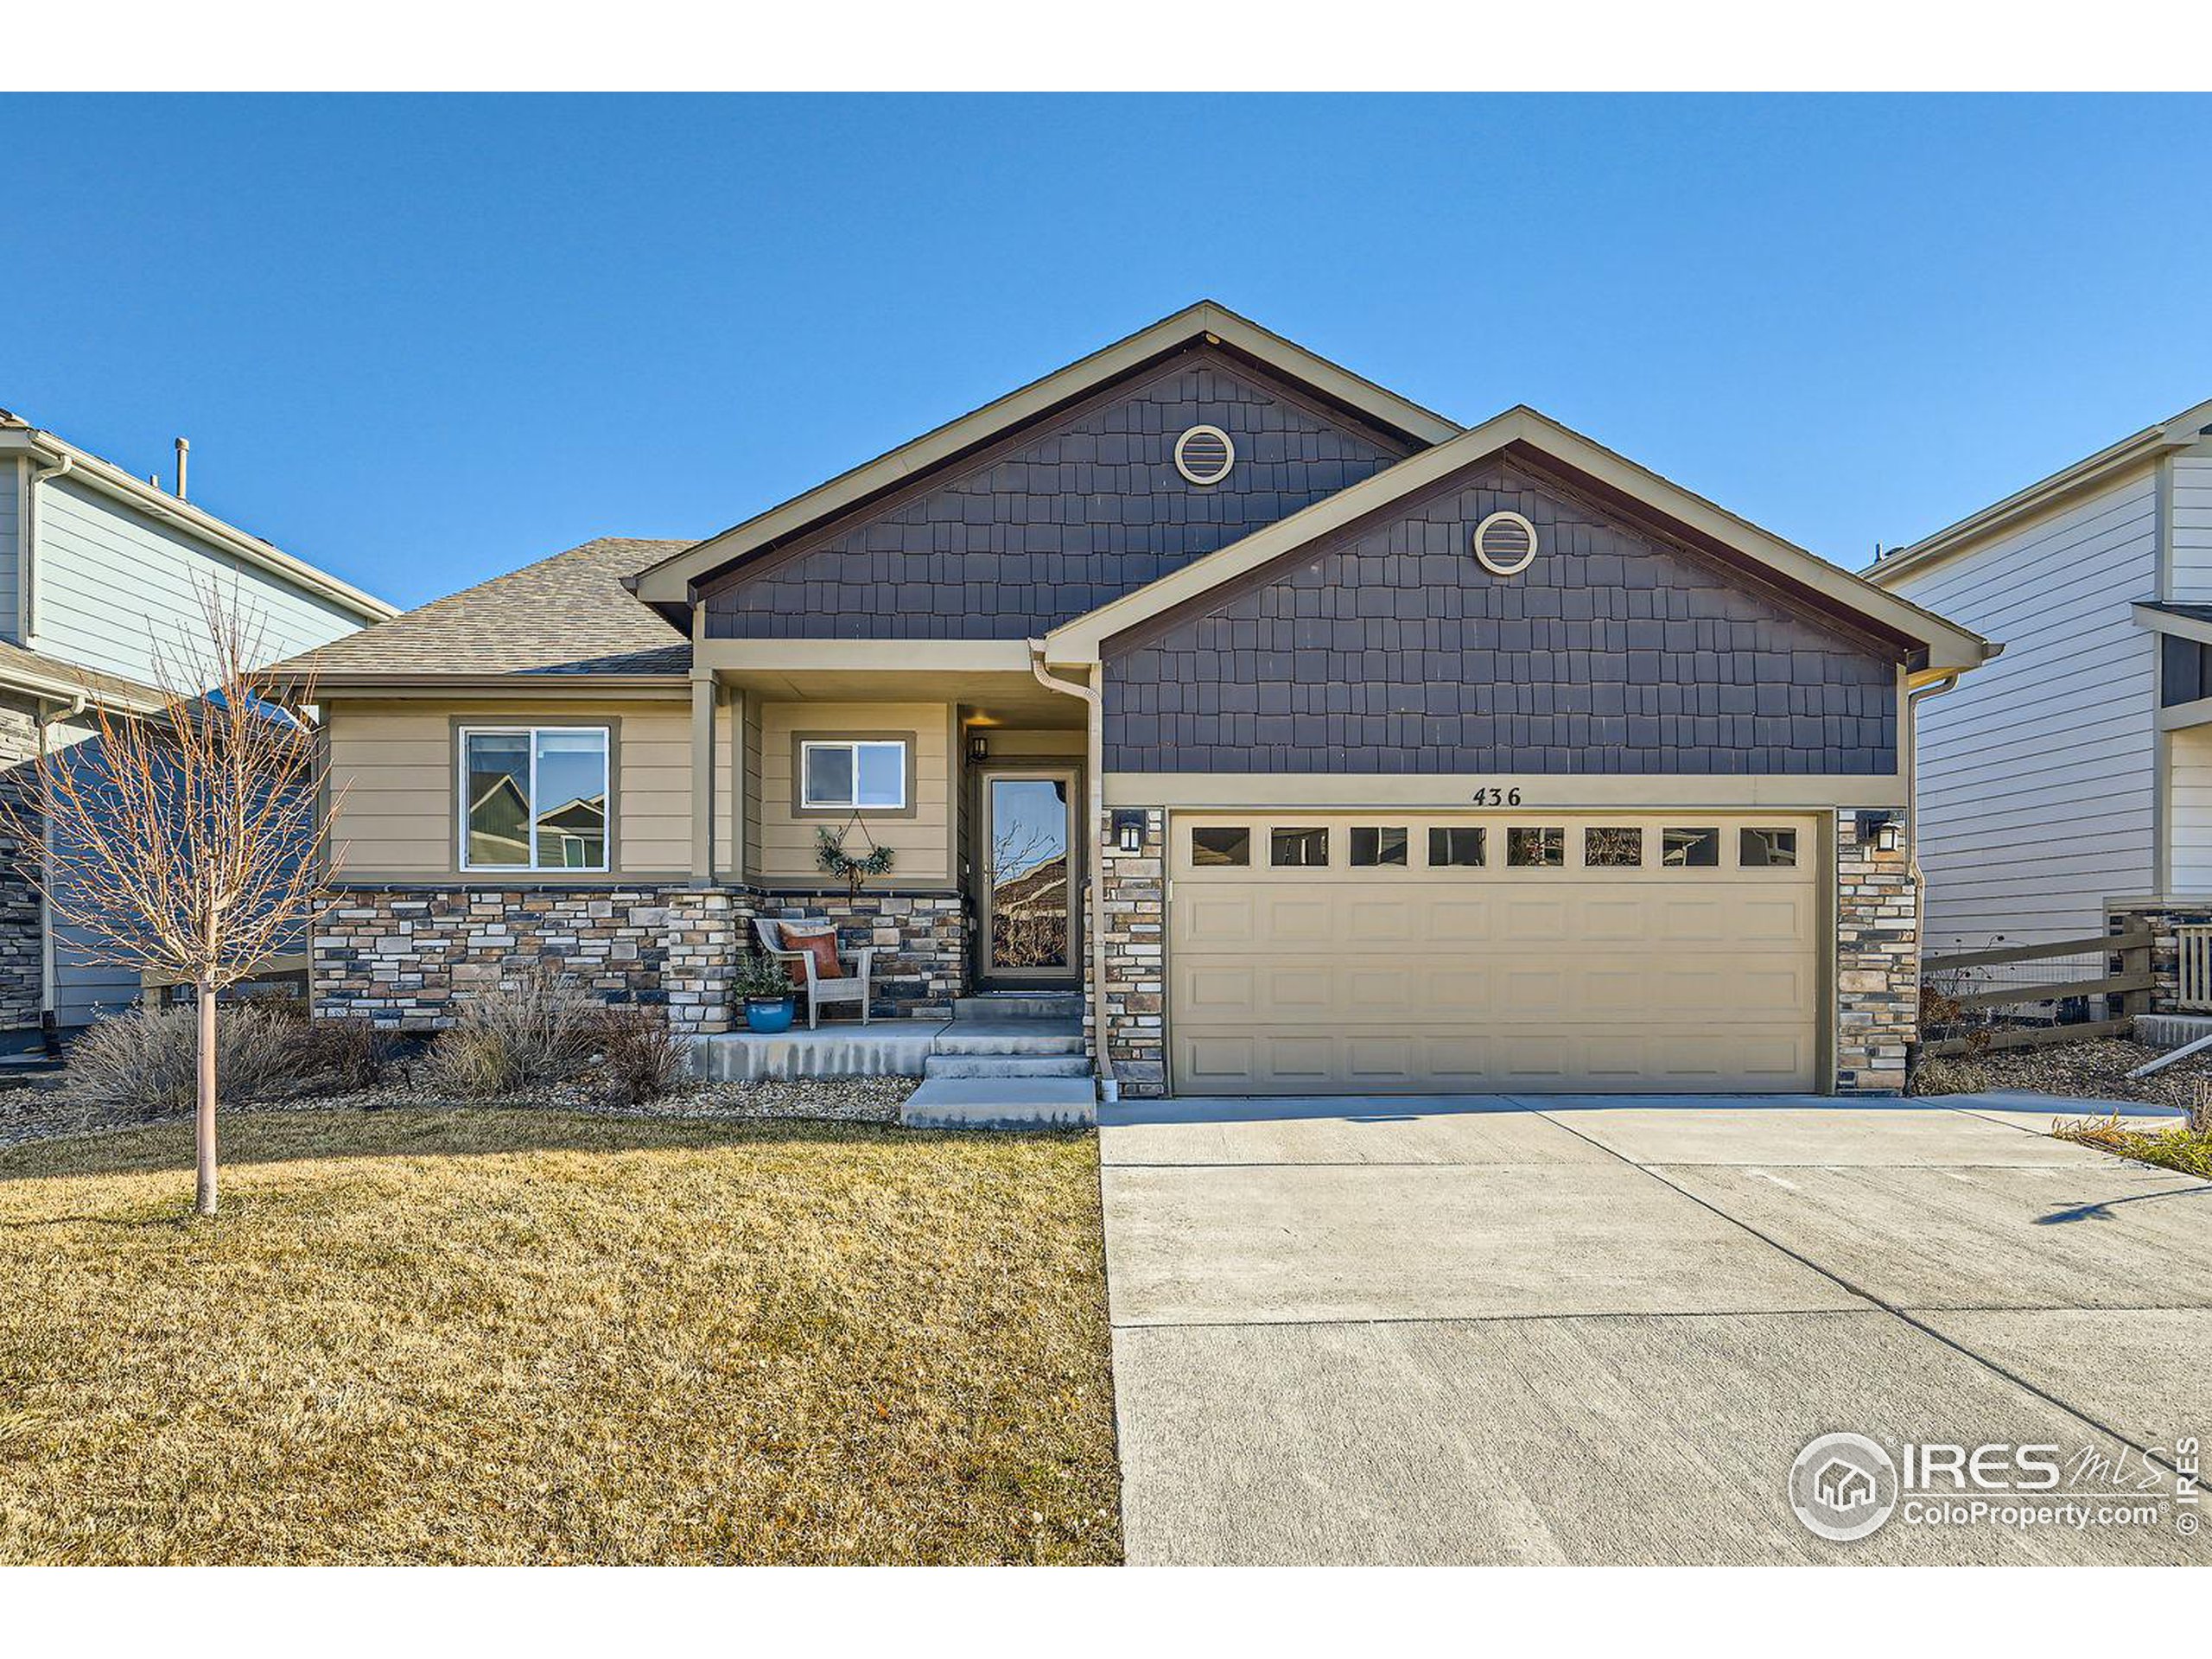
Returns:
point(183, 458)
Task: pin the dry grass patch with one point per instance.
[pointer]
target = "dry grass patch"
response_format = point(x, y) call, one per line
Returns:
point(428, 1336)
point(2183, 1148)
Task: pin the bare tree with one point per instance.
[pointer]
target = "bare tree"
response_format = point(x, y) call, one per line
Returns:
point(187, 842)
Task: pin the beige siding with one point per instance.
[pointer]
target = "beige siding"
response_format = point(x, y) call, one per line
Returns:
point(2188, 802)
point(2037, 773)
point(924, 841)
point(395, 762)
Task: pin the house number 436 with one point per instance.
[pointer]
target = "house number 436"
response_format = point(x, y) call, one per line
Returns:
point(1497, 797)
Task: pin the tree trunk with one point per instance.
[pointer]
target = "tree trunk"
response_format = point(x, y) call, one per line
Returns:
point(204, 1115)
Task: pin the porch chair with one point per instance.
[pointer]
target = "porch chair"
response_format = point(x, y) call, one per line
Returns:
point(850, 987)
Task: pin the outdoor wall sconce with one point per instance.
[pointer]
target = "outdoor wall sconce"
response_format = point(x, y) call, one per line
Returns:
point(979, 749)
point(1128, 830)
point(1883, 832)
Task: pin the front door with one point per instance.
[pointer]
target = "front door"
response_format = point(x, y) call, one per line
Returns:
point(1030, 915)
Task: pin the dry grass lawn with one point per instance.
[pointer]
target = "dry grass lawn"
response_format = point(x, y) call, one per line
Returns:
point(490, 1336)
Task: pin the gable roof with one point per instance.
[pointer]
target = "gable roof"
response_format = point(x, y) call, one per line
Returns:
point(1936, 645)
point(2181, 431)
point(672, 582)
point(567, 615)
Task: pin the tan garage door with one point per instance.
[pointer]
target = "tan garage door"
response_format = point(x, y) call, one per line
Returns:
point(1352, 955)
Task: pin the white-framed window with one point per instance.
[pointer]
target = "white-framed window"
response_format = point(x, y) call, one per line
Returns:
point(533, 797)
point(855, 772)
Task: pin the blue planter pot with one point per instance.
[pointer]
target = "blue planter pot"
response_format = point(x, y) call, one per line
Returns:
point(768, 1014)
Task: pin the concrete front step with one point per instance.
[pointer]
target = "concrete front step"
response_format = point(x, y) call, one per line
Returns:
point(1019, 1005)
point(1076, 1065)
point(1002, 1104)
point(1011, 1037)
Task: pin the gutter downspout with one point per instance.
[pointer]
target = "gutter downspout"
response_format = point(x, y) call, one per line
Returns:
point(1110, 1087)
point(49, 979)
point(1913, 700)
point(27, 575)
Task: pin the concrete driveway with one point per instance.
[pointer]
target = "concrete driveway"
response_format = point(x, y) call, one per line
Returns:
point(1600, 1329)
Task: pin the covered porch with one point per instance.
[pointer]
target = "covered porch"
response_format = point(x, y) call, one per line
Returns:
point(953, 763)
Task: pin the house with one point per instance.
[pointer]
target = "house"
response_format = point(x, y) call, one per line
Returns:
point(1362, 752)
point(98, 570)
point(2069, 787)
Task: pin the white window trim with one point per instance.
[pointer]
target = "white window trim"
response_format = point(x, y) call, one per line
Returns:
point(461, 796)
point(808, 745)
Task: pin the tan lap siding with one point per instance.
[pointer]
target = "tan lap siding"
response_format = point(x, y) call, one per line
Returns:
point(393, 765)
point(922, 839)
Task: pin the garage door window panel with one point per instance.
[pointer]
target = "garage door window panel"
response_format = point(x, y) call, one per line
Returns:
point(1690, 849)
point(1458, 847)
point(1220, 847)
point(1376, 847)
point(1304, 848)
point(1612, 847)
point(1767, 850)
point(1536, 848)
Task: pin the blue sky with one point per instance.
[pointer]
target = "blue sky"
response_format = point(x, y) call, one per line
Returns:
point(422, 340)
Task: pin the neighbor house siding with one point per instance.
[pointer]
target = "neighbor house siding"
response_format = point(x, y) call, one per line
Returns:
point(392, 769)
point(108, 581)
point(1393, 651)
point(1059, 520)
point(15, 482)
point(922, 839)
point(2190, 574)
point(2038, 772)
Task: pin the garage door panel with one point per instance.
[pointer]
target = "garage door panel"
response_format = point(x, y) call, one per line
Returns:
point(1493, 977)
point(1453, 919)
point(1307, 917)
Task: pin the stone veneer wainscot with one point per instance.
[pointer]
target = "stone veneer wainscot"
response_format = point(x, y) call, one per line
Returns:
point(409, 957)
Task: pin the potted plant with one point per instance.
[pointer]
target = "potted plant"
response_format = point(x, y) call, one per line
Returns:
point(767, 992)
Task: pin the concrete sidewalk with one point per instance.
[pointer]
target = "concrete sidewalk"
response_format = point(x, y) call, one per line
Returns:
point(1600, 1329)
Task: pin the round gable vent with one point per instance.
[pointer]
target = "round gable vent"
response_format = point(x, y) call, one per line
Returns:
point(1506, 543)
point(1203, 455)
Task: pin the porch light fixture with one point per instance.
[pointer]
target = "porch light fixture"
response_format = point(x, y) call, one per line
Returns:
point(1128, 830)
point(1883, 832)
point(979, 749)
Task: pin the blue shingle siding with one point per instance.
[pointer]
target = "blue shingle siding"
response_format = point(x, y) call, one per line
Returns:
point(1395, 651)
point(1059, 520)
point(14, 481)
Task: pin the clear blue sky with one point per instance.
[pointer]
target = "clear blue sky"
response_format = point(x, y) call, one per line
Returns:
point(422, 340)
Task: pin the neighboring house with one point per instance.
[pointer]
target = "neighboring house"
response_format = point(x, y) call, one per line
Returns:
point(97, 571)
point(2071, 781)
point(1392, 756)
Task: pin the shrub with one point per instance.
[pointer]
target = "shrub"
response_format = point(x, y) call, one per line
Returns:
point(640, 1055)
point(150, 1058)
point(528, 1034)
point(353, 1049)
point(759, 975)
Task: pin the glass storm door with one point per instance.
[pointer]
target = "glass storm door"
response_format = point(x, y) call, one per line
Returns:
point(1029, 909)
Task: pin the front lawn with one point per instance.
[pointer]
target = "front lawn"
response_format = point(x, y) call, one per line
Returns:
point(528, 1336)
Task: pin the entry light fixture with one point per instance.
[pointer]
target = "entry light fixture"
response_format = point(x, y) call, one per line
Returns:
point(1883, 832)
point(979, 749)
point(1128, 830)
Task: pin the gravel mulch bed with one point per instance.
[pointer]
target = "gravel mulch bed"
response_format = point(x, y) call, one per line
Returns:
point(28, 1114)
point(2096, 1069)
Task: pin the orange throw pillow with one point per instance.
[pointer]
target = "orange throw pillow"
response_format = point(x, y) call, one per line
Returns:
point(819, 940)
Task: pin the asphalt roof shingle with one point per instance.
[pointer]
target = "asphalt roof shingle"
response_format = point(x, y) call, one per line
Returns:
point(567, 614)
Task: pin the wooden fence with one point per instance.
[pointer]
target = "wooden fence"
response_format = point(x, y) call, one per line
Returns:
point(2127, 976)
